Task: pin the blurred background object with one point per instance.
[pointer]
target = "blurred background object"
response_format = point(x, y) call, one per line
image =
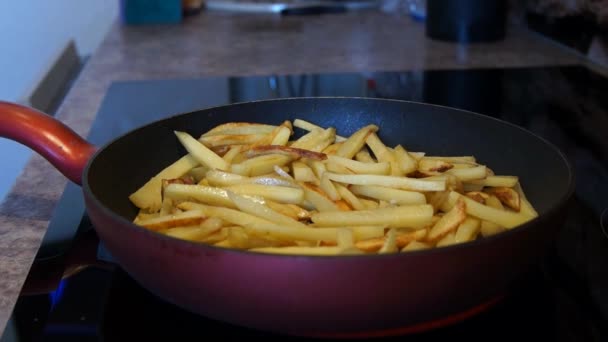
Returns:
point(466, 20)
point(292, 7)
point(581, 25)
point(192, 7)
point(134, 12)
point(416, 9)
point(593, 10)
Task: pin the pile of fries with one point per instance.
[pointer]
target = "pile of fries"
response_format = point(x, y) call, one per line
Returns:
point(255, 187)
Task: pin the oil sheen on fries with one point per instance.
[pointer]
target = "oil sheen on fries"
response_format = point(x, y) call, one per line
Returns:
point(265, 189)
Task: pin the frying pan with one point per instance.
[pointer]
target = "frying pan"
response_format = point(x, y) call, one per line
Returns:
point(337, 296)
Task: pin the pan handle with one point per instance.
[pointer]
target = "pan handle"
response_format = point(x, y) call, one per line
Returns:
point(56, 142)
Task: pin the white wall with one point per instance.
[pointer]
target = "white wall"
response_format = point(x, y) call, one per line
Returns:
point(32, 35)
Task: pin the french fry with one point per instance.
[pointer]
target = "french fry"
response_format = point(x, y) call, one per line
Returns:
point(221, 150)
point(383, 204)
point(433, 166)
point(446, 240)
point(449, 222)
point(415, 246)
point(365, 232)
point(297, 250)
point(469, 174)
point(470, 187)
point(507, 196)
point(488, 228)
point(199, 193)
point(260, 165)
point(237, 128)
point(467, 231)
point(401, 240)
point(332, 149)
point(452, 159)
point(303, 124)
point(362, 232)
point(167, 207)
point(188, 218)
point(217, 236)
point(198, 173)
point(263, 227)
point(281, 194)
point(303, 173)
point(215, 141)
point(328, 187)
point(345, 238)
point(407, 237)
point(349, 197)
point(390, 243)
point(282, 136)
point(364, 157)
point(453, 183)
point(325, 183)
point(407, 163)
point(411, 216)
point(224, 243)
point(237, 237)
point(355, 142)
point(319, 200)
point(397, 196)
point(494, 202)
point(200, 152)
point(403, 183)
point(437, 199)
point(417, 155)
point(272, 180)
point(317, 167)
point(463, 165)
point(360, 167)
point(497, 181)
point(316, 140)
point(279, 171)
point(142, 215)
point(343, 205)
point(260, 210)
point(383, 153)
point(478, 196)
point(279, 136)
point(500, 217)
point(292, 152)
point(223, 178)
point(149, 196)
point(291, 210)
point(255, 241)
point(368, 203)
point(339, 169)
point(526, 207)
point(196, 233)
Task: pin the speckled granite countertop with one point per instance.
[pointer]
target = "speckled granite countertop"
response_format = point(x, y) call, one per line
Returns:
point(224, 44)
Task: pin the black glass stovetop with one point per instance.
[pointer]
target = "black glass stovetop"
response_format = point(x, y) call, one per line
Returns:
point(565, 298)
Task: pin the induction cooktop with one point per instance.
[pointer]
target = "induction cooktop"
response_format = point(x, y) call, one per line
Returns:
point(564, 298)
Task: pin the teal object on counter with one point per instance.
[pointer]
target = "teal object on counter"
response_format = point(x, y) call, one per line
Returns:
point(151, 11)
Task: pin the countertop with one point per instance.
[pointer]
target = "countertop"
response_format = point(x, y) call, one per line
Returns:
point(236, 44)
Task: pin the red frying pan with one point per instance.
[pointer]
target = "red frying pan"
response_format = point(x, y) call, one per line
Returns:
point(306, 295)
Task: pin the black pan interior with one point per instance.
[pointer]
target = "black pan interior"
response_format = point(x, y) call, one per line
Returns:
point(125, 164)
